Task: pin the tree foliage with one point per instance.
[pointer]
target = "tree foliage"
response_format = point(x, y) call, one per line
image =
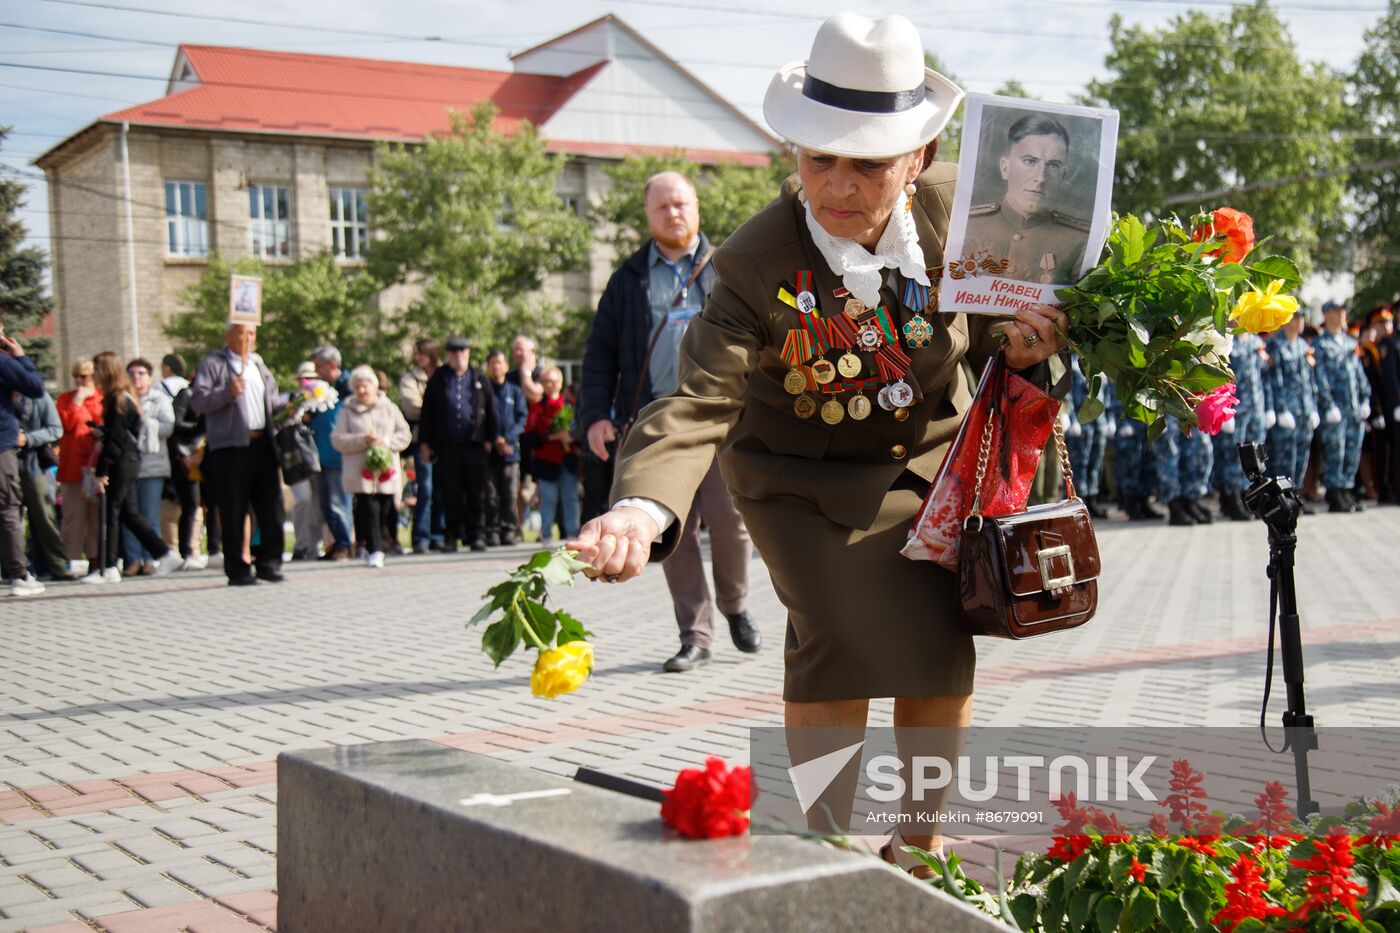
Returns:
point(1211, 103)
point(24, 301)
point(1375, 87)
point(305, 304)
point(729, 195)
point(473, 216)
point(950, 140)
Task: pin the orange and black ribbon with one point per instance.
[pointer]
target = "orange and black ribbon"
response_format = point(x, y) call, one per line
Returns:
point(843, 331)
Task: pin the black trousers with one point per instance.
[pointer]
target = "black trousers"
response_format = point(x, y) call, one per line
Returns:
point(460, 472)
point(597, 483)
point(500, 499)
point(187, 494)
point(244, 477)
point(370, 512)
point(119, 500)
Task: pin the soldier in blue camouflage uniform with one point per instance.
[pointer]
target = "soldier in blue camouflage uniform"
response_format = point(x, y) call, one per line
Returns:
point(1253, 416)
point(1183, 473)
point(1134, 466)
point(1087, 442)
point(1344, 401)
point(1291, 388)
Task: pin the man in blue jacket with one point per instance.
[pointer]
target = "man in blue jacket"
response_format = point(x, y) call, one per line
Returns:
point(503, 464)
point(649, 302)
point(39, 426)
point(17, 374)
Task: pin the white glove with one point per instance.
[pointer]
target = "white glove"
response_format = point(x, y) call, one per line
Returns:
point(1378, 422)
point(1287, 421)
point(1270, 419)
point(1395, 415)
point(1074, 429)
point(1334, 415)
point(1126, 430)
point(1228, 427)
point(1110, 428)
point(1313, 421)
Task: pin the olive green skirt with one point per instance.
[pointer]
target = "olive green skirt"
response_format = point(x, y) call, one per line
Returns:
point(863, 621)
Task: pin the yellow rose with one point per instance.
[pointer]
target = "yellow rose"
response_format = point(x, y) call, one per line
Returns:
point(561, 670)
point(1261, 312)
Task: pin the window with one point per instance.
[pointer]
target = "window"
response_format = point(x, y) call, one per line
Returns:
point(573, 203)
point(349, 223)
point(270, 224)
point(186, 218)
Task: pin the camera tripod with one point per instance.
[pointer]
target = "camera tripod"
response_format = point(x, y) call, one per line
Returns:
point(1275, 501)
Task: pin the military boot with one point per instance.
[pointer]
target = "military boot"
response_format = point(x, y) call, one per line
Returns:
point(1146, 509)
point(1335, 501)
point(1180, 514)
point(1232, 507)
point(1092, 504)
point(1199, 511)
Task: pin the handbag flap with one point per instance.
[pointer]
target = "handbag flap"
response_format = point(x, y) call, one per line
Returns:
point(1048, 547)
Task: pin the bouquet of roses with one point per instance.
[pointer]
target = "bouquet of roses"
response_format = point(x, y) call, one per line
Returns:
point(380, 462)
point(1157, 315)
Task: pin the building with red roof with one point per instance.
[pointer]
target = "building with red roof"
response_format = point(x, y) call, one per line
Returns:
point(266, 153)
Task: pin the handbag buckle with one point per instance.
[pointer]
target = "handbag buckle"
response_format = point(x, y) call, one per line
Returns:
point(1046, 556)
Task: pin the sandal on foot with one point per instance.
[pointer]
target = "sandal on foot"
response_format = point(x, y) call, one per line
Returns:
point(893, 852)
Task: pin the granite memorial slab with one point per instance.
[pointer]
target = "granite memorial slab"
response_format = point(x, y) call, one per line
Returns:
point(415, 836)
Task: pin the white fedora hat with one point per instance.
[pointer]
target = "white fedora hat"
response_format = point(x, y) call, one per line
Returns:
point(864, 92)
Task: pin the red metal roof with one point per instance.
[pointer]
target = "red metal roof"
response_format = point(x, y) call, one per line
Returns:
point(251, 90)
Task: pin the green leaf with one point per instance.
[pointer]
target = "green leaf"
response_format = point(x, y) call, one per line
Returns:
point(1107, 912)
point(1026, 910)
point(1229, 275)
point(562, 566)
point(500, 640)
point(570, 629)
point(540, 620)
point(483, 613)
point(1155, 429)
point(538, 561)
point(1168, 863)
point(1090, 410)
point(1080, 904)
point(1197, 907)
point(1275, 267)
point(1173, 914)
point(1076, 870)
point(1142, 908)
point(1131, 238)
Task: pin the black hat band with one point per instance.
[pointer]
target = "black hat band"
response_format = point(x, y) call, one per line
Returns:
point(862, 101)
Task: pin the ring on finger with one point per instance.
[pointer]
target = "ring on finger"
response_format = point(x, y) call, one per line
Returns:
point(1031, 339)
point(613, 577)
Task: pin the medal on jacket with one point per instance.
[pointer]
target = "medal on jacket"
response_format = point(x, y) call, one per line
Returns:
point(859, 407)
point(795, 382)
point(915, 296)
point(833, 411)
point(849, 365)
point(823, 371)
point(870, 337)
point(900, 394)
point(918, 333)
point(806, 301)
point(805, 406)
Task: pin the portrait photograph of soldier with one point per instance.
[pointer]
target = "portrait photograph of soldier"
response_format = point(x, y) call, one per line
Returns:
point(1032, 201)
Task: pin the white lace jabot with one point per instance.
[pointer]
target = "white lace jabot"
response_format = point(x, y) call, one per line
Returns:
point(860, 270)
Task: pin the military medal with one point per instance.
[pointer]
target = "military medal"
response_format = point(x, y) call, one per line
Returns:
point(859, 408)
point(848, 365)
point(823, 371)
point(805, 406)
point(795, 382)
point(918, 333)
point(806, 301)
point(901, 396)
point(854, 307)
point(915, 296)
point(870, 337)
point(882, 398)
point(833, 411)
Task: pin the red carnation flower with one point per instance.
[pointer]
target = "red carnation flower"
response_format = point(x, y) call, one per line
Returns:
point(710, 802)
point(1235, 226)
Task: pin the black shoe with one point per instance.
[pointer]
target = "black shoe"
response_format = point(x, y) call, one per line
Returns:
point(1180, 514)
point(478, 545)
point(1353, 501)
point(1233, 507)
point(448, 547)
point(249, 580)
point(743, 631)
point(509, 540)
point(493, 541)
point(436, 546)
point(1092, 504)
point(1336, 502)
point(420, 549)
point(687, 659)
point(271, 575)
point(1199, 512)
point(1307, 507)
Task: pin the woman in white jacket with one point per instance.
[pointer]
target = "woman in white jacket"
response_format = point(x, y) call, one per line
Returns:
point(157, 425)
point(370, 420)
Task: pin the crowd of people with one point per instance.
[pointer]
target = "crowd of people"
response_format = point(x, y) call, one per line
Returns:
point(1325, 402)
point(139, 470)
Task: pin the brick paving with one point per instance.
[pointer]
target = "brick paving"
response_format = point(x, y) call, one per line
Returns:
point(139, 724)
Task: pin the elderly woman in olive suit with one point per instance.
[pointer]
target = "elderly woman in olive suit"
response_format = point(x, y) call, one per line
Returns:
point(822, 372)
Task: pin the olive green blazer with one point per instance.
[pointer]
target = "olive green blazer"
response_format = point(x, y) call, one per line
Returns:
point(731, 398)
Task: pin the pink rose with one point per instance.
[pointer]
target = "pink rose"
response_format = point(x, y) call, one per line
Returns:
point(366, 474)
point(1216, 407)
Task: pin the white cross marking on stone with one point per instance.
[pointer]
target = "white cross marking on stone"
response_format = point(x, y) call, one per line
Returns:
point(505, 800)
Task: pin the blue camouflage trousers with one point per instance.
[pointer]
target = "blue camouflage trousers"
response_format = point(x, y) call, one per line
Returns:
point(1288, 451)
point(1086, 456)
point(1183, 463)
point(1249, 429)
point(1134, 466)
point(1341, 452)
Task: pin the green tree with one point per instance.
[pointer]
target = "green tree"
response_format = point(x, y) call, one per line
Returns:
point(950, 140)
point(305, 304)
point(24, 301)
point(1220, 110)
point(729, 195)
point(1375, 88)
point(473, 217)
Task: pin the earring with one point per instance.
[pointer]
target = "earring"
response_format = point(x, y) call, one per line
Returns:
point(909, 190)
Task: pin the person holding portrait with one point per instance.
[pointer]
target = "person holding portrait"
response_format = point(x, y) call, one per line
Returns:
point(824, 305)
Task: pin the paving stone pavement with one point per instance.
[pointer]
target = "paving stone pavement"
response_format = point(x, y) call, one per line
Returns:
point(139, 723)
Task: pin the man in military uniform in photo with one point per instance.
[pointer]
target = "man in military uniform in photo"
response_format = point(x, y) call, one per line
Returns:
point(1134, 465)
point(1087, 442)
point(1291, 388)
point(1344, 400)
point(1183, 473)
point(1041, 244)
point(1254, 415)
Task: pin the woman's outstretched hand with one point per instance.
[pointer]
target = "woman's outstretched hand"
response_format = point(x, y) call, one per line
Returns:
point(616, 543)
point(1037, 333)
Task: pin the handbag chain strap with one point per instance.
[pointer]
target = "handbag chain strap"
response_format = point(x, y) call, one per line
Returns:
point(984, 454)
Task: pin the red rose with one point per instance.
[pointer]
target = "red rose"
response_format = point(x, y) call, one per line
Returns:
point(1235, 226)
point(710, 802)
